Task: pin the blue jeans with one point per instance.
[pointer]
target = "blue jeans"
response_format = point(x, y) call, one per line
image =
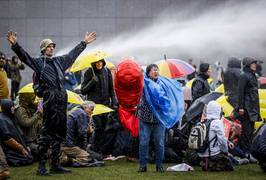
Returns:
point(145, 131)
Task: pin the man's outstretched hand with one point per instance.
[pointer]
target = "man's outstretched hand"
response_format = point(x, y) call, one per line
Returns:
point(89, 37)
point(12, 37)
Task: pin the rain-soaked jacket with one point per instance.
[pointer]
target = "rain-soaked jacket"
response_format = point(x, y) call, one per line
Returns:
point(248, 96)
point(218, 141)
point(231, 77)
point(200, 86)
point(101, 91)
point(77, 125)
point(8, 130)
point(28, 119)
point(51, 72)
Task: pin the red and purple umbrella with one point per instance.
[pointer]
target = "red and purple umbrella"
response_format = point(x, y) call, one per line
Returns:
point(174, 68)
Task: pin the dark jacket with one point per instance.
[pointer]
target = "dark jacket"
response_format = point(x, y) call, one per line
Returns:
point(8, 130)
point(259, 144)
point(77, 124)
point(101, 91)
point(200, 86)
point(52, 76)
point(14, 69)
point(231, 78)
point(248, 96)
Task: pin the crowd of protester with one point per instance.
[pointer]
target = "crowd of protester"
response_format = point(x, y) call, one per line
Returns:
point(29, 127)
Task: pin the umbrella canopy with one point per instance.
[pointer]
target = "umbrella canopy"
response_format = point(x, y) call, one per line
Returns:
point(85, 61)
point(226, 106)
point(220, 88)
point(26, 89)
point(174, 68)
point(100, 109)
point(71, 98)
point(197, 106)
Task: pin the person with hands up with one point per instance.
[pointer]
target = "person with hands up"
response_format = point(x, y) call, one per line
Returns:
point(50, 74)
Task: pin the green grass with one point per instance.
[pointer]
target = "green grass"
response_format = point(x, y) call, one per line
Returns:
point(126, 170)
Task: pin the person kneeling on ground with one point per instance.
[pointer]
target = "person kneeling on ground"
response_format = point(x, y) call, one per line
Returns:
point(74, 148)
point(215, 158)
point(12, 141)
point(29, 117)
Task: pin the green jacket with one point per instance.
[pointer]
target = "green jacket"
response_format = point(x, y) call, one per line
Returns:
point(28, 119)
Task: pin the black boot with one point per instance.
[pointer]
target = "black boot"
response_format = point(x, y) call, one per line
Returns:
point(142, 169)
point(159, 169)
point(58, 169)
point(41, 171)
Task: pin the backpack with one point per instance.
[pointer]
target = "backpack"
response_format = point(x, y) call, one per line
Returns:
point(199, 136)
point(37, 87)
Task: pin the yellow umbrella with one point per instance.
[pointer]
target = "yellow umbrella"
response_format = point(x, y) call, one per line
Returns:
point(100, 109)
point(85, 61)
point(227, 108)
point(74, 98)
point(220, 89)
point(27, 89)
point(189, 83)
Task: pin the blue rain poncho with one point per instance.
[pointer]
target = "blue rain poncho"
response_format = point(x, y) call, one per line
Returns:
point(165, 98)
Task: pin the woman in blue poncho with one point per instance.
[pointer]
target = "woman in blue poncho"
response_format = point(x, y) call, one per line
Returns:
point(150, 124)
point(161, 107)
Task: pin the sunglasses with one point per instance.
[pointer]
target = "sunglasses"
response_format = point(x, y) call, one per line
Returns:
point(2, 57)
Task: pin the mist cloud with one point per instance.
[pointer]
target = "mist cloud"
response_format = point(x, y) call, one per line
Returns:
point(210, 34)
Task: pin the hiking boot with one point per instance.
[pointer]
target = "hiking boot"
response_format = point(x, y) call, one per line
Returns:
point(159, 169)
point(142, 169)
point(4, 174)
point(58, 169)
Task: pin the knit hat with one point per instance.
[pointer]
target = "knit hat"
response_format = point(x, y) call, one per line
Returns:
point(204, 67)
point(45, 43)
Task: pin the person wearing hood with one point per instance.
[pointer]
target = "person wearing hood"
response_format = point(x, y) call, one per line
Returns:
point(258, 149)
point(98, 86)
point(11, 137)
point(215, 158)
point(29, 117)
point(49, 71)
point(4, 91)
point(14, 68)
point(248, 104)
point(200, 85)
point(231, 78)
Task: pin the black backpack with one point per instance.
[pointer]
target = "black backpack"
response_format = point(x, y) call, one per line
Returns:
point(37, 87)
